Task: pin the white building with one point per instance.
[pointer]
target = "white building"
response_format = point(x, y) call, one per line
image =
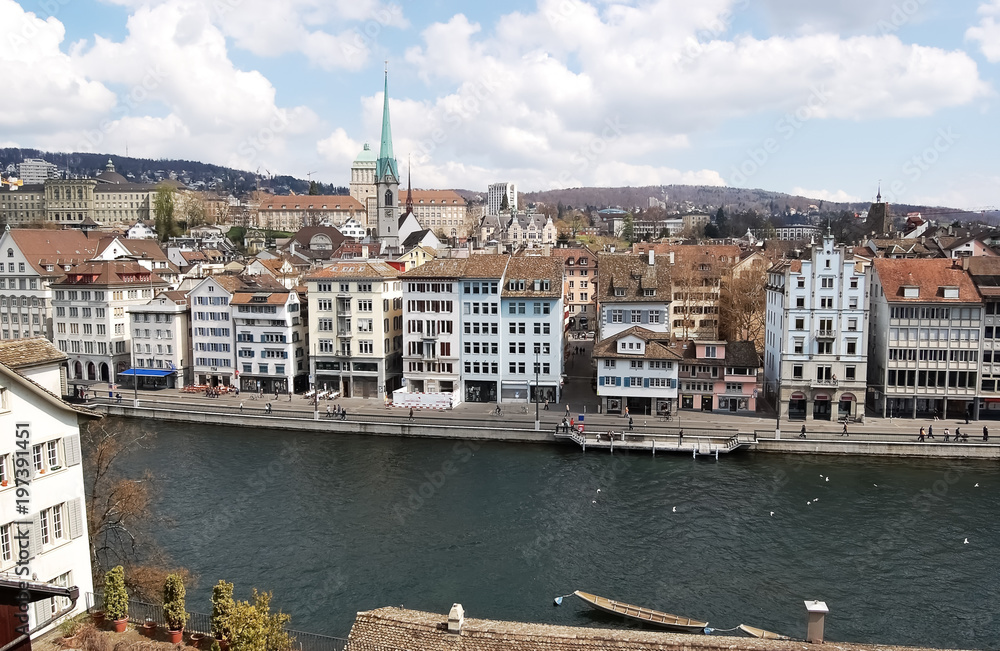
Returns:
point(356, 328)
point(212, 339)
point(532, 330)
point(815, 349)
point(637, 368)
point(36, 170)
point(91, 321)
point(33, 416)
point(161, 341)
point(271, 345)
point(482, 335)
point(495, 197)
point(633, 290)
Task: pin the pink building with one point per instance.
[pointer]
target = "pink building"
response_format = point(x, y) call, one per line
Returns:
point(719, 376)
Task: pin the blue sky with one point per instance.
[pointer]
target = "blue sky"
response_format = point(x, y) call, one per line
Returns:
point(821, 99)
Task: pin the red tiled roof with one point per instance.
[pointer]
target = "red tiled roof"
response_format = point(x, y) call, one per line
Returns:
point(310, 202)
point(929, 274)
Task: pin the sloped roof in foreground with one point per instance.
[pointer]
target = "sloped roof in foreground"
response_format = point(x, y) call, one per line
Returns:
point(398, 628)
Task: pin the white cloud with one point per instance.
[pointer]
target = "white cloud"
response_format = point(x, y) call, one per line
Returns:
point(46, 90)
point(987, 32)
point(538, 91)
point(838, 196)
point(331, 34)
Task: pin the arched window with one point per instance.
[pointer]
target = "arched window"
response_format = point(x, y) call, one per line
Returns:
point(10, 253)
point(388, 197)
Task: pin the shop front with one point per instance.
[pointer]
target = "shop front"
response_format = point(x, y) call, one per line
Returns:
point(845, 407)
point(821, 407)
point(148, 378)
point(480, 391)
point(797, 406)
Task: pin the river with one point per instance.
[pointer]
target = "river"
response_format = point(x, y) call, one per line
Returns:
point(338, 524)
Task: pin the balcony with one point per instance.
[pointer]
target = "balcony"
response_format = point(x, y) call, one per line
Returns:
point(824, 384)
point(825, 334)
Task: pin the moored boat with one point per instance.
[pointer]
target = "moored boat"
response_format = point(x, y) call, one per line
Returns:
point(645, 615)
point(753, 631)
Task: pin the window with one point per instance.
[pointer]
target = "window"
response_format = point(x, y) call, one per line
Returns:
point(800, 301)
point(800, 323)
point(636, 316)
point(798, 346)
point(616, 316)
point(826, 283)
point(852, 324)
point(826, 302)
point(852, 347)
point(850, 372)
point(711, 351)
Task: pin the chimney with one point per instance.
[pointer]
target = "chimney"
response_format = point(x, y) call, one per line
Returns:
point(671, 257)
point(364, 251)
point(291, 247)
point(814, 630)
point(456, 619)
point(652, 259)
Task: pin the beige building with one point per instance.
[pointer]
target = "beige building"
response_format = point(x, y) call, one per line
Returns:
point(290, 213)
point(356, 328)
point(579, 287)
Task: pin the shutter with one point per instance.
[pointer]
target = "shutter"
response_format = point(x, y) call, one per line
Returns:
point(645, 316)
point(35, 537)
point(71, 446)
point(626, 316)
point(74, 510)
point(607, 316)
point(43, 611)
point(618, 381)
point(600, 381)
point(645, 382)
point(673, 383)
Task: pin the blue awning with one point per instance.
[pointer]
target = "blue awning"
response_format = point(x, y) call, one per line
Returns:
point(147, 372)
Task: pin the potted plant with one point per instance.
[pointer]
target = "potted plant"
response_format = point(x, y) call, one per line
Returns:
point(223, 606)
point(69, 629)
point(195, 640)
point(116, 597)
point(98, 617)
point(173, 607)
point(149, 628)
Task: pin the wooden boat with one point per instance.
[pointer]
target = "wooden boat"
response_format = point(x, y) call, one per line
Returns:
point(753, 631)
point(645, 615)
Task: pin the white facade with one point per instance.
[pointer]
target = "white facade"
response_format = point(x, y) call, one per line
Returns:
point(212, 338)
point(431, 333)
point(161, 338)
point(56, 509)
point(36, 170)
point(627, 376)
point(497, 191)
point(815, 351)
point(532, 338)
point(482, 337)
point(270, 341)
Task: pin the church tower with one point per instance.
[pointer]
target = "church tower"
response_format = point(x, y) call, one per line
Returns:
point(387, 181)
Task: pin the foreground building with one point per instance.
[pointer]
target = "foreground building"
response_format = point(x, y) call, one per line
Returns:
point(57, 543)
point(815, 361)
point(637, 368)
point(924, 348)
point(633, 291)
point(356, 328)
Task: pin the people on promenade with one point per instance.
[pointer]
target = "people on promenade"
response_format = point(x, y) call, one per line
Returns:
point(946, 434)
point(680, 438)
point(546, 407)
point(626, 412)
point(411, 414)
point(844, 433)
point(630, 423)
point(567, 410)
point(922, 435)
point(241, 406)
point(267, 408)
point(343, 414)
point(930, 431)
point(118, 398)
point(329, 413)
point(958, 434)
point(802, 434)
point(986, 433)
point(499, 411)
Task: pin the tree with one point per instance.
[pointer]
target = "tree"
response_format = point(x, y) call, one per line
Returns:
point(722, 222)
point(742, 304)
point(118, 515)
point(252, 626)
point(314, 188)
point(504, 204)
point(712, 231)
point(628, 228)
point(163, 211)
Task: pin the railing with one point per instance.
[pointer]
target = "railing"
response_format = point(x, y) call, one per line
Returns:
point(825, 334)
point(820, 382)
point(140, 612)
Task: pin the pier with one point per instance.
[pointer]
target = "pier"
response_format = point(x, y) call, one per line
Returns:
point(697, 445)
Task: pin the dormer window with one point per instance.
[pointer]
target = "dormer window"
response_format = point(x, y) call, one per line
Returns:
point(911, 291)
point(950, 292)
point(649, 292)
point(619, 291)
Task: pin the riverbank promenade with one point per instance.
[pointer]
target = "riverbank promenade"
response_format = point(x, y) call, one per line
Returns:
point(761, 432)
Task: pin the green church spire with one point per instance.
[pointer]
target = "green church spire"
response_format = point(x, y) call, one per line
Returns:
point(386, 161)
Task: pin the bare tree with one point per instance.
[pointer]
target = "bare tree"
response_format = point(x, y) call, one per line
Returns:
point(742, 304)
point(119, 520)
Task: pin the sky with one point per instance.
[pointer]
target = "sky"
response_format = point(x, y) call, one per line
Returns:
point(823, 99)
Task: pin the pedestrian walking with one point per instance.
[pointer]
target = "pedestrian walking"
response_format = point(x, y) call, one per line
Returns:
point(241, 407)
point(958, 434)
point(802, 434)
point(946, 433)
point(921, 436)
point(546, 408)
point(680, 438)
point(630, 423)
point(930, 431)
point(267, 408)
point(567, 410)
point(343, 414)
point(626, 412)
point(986, 433)
point(329, 413)
point(118, 398)
point(844, 433)
point(411, 413)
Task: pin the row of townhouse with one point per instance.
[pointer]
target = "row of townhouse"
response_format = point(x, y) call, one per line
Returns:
point(640, 366)
point(906, 337)
point(487, 328)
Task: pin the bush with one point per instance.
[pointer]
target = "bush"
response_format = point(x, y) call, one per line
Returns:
point(255, 628)
point(222, 609)
point(115, 595)
point(173, 602)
